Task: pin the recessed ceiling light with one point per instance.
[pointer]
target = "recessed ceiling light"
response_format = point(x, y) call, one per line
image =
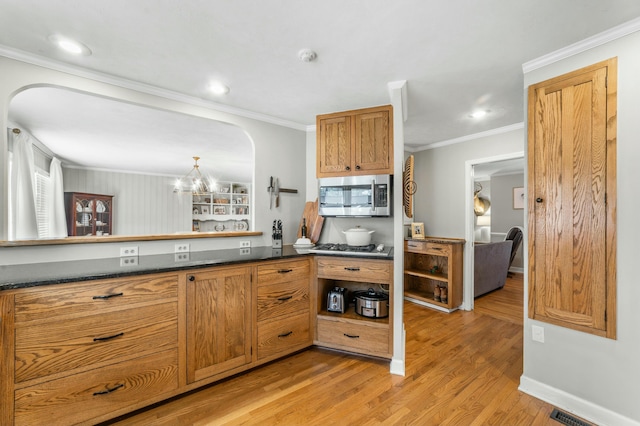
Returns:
point(479, 113)
point(218, 88)
point(307, 55)
point(69, 45)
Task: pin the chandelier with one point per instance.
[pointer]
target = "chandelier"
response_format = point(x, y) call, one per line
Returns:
point(192, 182)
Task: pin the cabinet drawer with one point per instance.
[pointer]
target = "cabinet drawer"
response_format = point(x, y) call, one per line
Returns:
point(283, 298)
point(85, 396)
point(47, 302)
point(65, 345)
point(283, 272)
point(362, 270)
point(427, 247)
point(364, 338)
point(284, 335)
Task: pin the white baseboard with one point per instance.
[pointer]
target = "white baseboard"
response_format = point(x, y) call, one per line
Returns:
point(516, 270)
point(397, 362)
point(573, 404)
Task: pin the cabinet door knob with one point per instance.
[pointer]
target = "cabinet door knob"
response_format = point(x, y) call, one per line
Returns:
point(538, 200)
point(192, 278)
point(348, 168)
point(357, 167)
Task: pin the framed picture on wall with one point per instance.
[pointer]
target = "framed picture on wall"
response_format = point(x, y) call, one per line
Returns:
point(518, 198)
point(417, 230)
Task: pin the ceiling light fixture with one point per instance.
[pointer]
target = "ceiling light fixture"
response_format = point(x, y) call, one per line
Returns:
point(69, 45)
point(218, 88)
point(307, 55)
point(192, 182)
point(479, 114)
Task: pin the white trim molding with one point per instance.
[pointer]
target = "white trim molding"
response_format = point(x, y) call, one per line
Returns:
point(572, 404)
point(492, 132)
point(583, 45)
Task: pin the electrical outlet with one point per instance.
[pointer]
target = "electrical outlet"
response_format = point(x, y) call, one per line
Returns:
point(181, 257)
point(129, 261)
point(245, 250)
point(245, 244)
point(537, 333)
point(129, 251)
point(182, 248)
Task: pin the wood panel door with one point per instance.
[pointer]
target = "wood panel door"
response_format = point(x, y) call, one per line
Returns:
point(371, 143)
point(334, 146)
point(219, 321)
point(572, 199)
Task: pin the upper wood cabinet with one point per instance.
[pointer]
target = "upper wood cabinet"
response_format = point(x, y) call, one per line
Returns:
point(572, 199)
point(358, 142)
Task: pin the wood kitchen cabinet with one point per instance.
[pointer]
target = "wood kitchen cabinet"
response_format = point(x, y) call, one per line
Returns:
point(350, 331)
point(88, 351)
point(284, 314)
point(84, 352)
point(352, 143)
point(88, 214)
point(219, 314)
point(432, 263)
point(572, 199)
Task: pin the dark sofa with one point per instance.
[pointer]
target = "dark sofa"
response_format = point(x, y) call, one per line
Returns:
point(490, 266)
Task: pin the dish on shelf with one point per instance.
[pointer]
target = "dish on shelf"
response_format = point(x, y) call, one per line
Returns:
point(78, 206)
point(100, 208)
point(241, 226)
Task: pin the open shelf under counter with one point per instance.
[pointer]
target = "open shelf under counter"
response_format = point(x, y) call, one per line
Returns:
point(351, 316)
point(433, 262)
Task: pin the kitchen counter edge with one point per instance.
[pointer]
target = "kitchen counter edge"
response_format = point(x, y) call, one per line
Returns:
point(38, 274)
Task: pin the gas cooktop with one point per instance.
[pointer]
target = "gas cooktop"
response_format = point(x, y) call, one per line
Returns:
point(379, 250)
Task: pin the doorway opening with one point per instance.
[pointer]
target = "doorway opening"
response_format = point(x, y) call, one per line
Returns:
point(500, 177)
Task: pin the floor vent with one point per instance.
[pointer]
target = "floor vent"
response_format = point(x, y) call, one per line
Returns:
point(567, 419)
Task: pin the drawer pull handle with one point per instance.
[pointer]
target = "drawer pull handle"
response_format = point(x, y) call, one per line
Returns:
point(285, 334)
point(107, 390)
point(436, 248)
point(284, 271)
point(351, 269)
point(351, 336)
point(283, 298)
point(107, 296)
point(101, 339)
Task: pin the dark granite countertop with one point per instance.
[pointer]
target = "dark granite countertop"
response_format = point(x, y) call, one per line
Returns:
point(36, 274)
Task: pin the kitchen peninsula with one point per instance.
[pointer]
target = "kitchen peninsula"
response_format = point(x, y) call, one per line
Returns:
point(87, 341)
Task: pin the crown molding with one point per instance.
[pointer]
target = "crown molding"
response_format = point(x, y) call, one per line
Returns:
point(492, 132)
point(149, 89)
point(584, 45)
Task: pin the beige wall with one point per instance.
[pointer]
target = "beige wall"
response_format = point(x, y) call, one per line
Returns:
point(440, 175)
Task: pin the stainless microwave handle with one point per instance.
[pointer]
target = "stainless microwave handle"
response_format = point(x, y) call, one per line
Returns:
point(373, 195)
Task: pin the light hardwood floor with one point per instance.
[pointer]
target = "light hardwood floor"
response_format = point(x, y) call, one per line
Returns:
point(462, 368)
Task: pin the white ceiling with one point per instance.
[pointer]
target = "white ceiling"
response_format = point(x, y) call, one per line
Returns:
point(456, 56)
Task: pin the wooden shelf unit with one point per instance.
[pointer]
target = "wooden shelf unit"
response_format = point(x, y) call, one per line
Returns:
point(433, 262)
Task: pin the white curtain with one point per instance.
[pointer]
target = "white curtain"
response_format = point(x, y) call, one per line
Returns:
point(57, 218)
point(24, 225)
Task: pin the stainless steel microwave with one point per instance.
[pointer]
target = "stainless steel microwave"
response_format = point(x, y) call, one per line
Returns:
point(355, 196)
